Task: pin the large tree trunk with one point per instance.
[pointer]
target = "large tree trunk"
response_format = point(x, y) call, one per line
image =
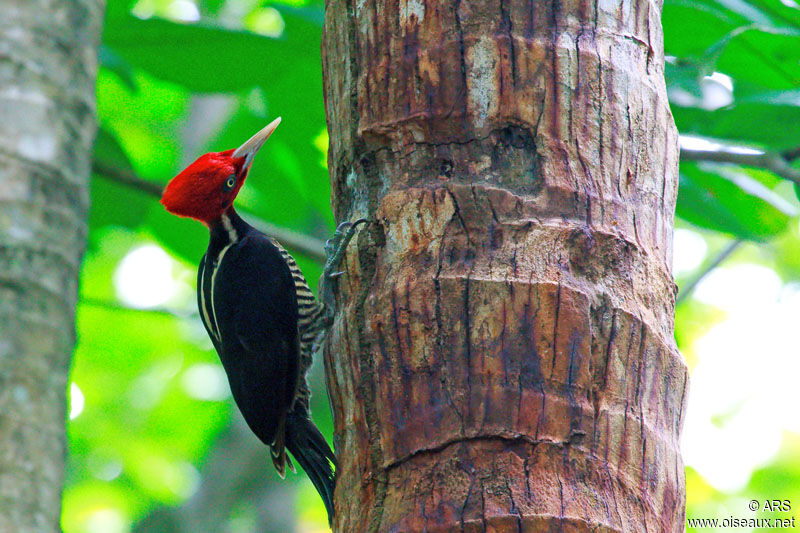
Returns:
point(504, 356)
point(47, 73)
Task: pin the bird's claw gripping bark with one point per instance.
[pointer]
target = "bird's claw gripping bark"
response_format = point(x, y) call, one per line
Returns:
point(336, 245)
point(335, 249)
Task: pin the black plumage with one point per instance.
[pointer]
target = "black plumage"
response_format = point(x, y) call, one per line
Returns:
point(247, 289)
point(256, 305)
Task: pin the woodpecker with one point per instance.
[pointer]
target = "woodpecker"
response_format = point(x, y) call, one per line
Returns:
point(256, 306)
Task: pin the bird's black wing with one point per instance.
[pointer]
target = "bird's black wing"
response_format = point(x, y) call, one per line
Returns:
point(255, 310)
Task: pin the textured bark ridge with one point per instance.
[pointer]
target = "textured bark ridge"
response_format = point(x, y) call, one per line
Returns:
point(504, 356)
point(48, 60)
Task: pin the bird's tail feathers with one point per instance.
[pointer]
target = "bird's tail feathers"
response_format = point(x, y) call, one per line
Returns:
point(311, 451)
point(277, 451)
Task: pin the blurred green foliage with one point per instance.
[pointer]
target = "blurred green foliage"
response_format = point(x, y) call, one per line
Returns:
point(733, 78)
point(170, 88)
point(180, 78)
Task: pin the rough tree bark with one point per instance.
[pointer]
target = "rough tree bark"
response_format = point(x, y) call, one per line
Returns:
point(48, 52)
point(504, 356)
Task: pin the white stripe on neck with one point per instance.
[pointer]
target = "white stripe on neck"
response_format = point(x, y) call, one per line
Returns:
point(206, 318)
point(214, 281)
point(228, 225)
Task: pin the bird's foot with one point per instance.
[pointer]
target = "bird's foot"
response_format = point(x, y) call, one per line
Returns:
point(335, 249)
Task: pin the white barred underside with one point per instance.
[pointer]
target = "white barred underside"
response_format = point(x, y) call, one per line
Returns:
point(310, 323)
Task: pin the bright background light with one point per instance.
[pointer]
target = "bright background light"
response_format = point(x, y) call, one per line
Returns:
point(743, 393)
point(689, 251)
point(76, 401)
point(206, 381)
point(144, 278)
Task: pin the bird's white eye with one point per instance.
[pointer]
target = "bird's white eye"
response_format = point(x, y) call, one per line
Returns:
point(230, 182)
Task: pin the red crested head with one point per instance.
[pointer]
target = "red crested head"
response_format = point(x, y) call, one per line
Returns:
point(206, 188)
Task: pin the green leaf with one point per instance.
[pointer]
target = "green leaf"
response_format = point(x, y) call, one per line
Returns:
point(118, 9)
point(705, 22)
point(210, 7)
point(112, 203)
point(749, 11)
point(767, 58)
point(108, 152)
point(184, 237)
point(200, 57)
point(684, 75)
point(312, 14)
point(769, 126)
point(753, 182)
point(730, 202)
point(782, 11)
point(783, 253)
point(783, 98)
point(114, 63)
point(207, 58)
point(754, 42)
point(146, 123)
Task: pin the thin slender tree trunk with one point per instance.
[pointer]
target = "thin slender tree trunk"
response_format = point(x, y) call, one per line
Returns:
point(504, 356)
point(48, 52)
